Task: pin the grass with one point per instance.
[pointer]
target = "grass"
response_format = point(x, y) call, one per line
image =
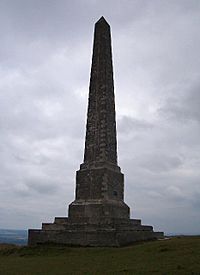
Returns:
point(180, 255)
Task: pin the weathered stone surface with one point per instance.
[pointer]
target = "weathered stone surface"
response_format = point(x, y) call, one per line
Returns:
point(98, 216)
point(100, 183)
point(101, 143)
point(96, 237)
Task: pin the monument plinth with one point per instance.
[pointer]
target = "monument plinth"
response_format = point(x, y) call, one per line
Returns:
point(98, 216)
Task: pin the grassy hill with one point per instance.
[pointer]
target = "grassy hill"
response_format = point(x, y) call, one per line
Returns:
point(180, 255)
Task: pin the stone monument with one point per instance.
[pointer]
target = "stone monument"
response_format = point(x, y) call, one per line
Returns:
point(98, 216)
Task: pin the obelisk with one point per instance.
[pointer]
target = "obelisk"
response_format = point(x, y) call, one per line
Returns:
point(101, 142)
point(99, 182)
point(98, 216)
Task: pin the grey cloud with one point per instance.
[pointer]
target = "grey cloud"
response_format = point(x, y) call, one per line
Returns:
point(184, 107)
point(42, 186)
point(160, 163)
point(128, 124)
point(196, 201)
point(45, 55)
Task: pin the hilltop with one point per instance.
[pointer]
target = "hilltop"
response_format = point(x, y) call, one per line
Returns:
point(178, 255)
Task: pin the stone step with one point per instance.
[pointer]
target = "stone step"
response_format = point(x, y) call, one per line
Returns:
point(135, 221)
point(83, 220)
point(61, 220)
point(52, 226)
point(134, 227)
point(106, 237)
point(95, 227)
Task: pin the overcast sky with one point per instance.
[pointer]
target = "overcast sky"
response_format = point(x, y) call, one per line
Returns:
point(45, 55)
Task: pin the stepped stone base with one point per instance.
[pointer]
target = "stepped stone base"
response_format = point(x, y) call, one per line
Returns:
point(107, 232)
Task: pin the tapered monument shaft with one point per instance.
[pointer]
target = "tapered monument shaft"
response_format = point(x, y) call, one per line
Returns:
point(99, 182)
point(100, 144)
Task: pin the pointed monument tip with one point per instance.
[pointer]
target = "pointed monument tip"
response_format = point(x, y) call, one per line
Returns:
point(102, 20)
